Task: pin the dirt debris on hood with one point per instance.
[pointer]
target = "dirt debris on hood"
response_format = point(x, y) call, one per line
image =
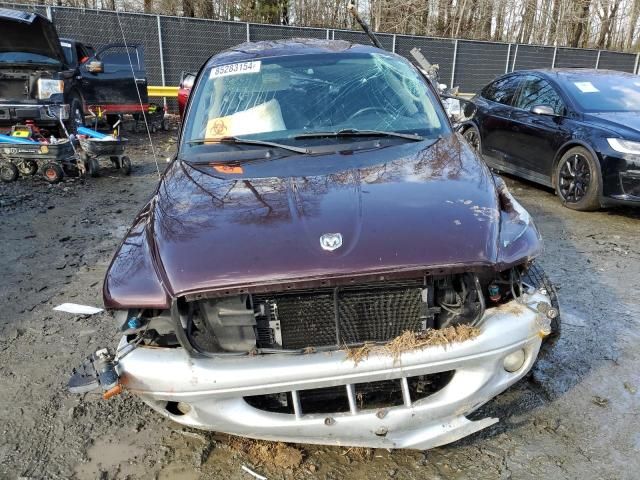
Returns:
point(409, 341)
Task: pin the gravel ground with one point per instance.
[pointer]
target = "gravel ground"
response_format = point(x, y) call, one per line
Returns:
point(576, 416)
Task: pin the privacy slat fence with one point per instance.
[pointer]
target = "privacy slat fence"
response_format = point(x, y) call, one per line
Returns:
point(176, 44)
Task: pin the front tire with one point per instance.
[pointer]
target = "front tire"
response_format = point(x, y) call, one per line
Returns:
point(472, 136)
point(76, 116)
point(536, 278)
point(577, 180)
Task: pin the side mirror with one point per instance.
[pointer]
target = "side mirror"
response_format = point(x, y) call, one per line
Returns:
point(543, 110)
point(458, 109)
point(95, 66)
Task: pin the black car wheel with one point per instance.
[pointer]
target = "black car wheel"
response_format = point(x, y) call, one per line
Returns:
point(8, 172)
point(76, 116)
point(52, 172)
point(472, 136)
point(536, 278)
point(578, 181)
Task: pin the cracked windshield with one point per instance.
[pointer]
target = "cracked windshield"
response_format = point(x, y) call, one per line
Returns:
point(286, 99)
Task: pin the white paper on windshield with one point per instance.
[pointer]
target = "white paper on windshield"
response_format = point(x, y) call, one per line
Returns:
point(235, 69)
point(266, 117)
point(586, 87)
point(78, 309)
point(65, 44)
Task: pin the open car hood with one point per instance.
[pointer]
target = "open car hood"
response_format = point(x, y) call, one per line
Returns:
point(403, 208)
point(30, 33)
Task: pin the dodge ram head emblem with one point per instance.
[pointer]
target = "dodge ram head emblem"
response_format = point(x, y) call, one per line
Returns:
point(331, 241)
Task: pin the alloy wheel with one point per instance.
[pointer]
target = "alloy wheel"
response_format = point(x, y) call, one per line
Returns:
point(575, 178)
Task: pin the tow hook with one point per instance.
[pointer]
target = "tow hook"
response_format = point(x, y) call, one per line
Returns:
point(97, 371)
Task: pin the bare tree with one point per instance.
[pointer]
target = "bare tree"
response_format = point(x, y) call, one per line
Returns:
point(611, 24)
point(188, 8)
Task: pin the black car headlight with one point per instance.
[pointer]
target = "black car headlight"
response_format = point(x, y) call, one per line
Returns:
point(624, 146)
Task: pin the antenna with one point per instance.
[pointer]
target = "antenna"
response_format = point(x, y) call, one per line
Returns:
point(354, 11)
point(144, 114)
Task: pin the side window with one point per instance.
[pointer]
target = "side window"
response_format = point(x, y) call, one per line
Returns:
point(82, 53)
point(502, 90)
point(67, 49)
point(537, 91)
point(117, 57)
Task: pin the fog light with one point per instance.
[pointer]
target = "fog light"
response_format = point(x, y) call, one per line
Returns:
point(514, 361)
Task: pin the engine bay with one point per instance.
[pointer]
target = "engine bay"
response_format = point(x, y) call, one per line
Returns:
point(325, 318)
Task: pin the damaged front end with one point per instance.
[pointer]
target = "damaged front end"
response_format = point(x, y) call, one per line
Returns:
point(393, 358)
point(314, 365)
point(342, 286)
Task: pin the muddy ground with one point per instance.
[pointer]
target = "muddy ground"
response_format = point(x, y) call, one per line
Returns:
point(575, 417)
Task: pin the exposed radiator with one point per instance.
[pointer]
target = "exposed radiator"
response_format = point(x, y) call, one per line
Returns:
point(343, 316)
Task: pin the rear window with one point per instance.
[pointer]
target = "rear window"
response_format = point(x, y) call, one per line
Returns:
point(606, 92)
point(502, 90)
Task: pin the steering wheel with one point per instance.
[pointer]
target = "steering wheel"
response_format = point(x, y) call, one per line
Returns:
point(365, 110)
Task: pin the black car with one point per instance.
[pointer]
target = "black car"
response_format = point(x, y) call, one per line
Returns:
point(43, 78)
point(575, 130)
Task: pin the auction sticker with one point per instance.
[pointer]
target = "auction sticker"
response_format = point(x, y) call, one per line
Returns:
point(235, 69)
point(586, 87)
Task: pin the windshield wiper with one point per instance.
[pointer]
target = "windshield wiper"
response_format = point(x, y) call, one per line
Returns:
point(247, 141)
point(354, 132)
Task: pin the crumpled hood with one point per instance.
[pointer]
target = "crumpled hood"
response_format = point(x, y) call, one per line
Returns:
point(402, 207)
point(30, 33)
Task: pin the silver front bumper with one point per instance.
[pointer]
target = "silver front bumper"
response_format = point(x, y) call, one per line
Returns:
point(214, 388)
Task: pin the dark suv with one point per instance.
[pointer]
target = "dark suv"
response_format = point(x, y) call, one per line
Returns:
point(44, 79)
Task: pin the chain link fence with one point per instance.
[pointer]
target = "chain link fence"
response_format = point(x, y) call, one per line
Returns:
point(173, 45)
